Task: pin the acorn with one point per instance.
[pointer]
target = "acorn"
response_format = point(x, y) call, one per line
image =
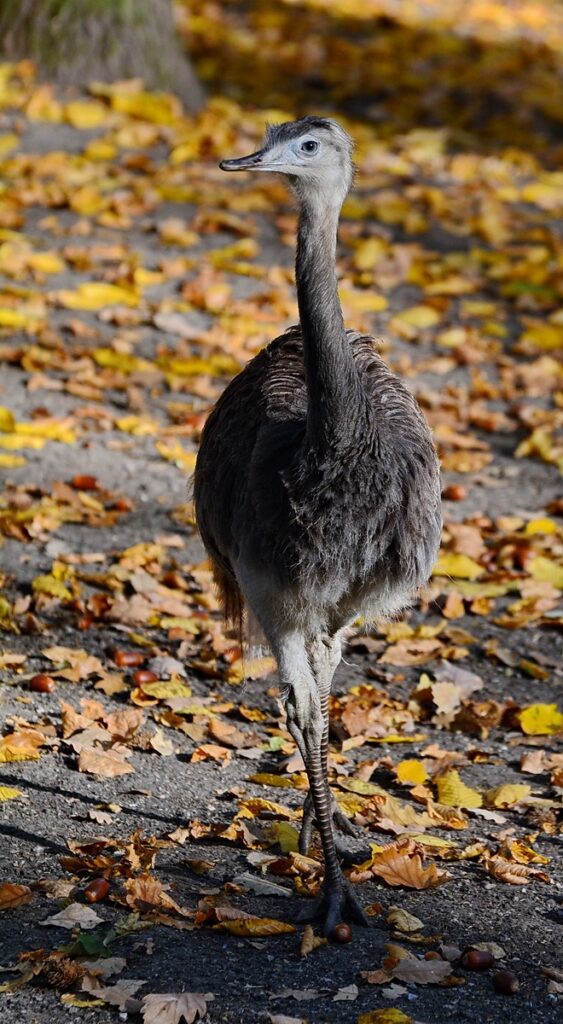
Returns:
point(97, 890)
point(84, 482)
point(506, 983)
point(454, 492)
point(143, 676)
point(42, 683)
point(128, 659)
point(341, 933)
point(477, 960)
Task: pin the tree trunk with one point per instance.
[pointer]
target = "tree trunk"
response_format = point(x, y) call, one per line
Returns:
point(77, 41)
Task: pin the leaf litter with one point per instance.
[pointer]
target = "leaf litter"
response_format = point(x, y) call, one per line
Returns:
point(140, 350)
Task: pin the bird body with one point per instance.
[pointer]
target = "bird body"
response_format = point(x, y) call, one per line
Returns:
point(317, 484)
point(338, 534)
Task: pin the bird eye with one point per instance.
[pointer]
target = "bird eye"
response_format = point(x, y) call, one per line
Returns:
point(309, 146)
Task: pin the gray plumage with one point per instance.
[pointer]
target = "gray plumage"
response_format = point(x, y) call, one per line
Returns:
point(317, 484)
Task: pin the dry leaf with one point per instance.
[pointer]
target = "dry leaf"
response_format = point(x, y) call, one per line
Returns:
point(401, 865)
point(106, 764)
point(310, 941)
point(403, 921)
point(452, 792)
point(13, 895)
point(76, 914)
point(169, 1008)
point(422, 972)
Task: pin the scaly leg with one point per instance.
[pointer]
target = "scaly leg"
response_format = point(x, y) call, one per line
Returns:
point(308, 678)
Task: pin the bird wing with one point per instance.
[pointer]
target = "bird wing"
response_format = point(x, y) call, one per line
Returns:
point(261, 413)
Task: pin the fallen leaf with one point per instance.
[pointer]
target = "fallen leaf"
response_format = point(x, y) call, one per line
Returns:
point(13, 895)
point(310, 941)
point(401, 864)
point(506, 795)
point(540, 720)
point(106, 764)
point(452, 791)
point(170, 1008)
point(76, 914)
point(422, 972)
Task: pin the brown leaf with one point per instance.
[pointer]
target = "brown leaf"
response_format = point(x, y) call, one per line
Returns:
point(124, 724)
point(310, 941)
point(411, 652)
point(146, 893)
point(516, 874)
point(106, 764)
point(13, 895)
point(401, 864)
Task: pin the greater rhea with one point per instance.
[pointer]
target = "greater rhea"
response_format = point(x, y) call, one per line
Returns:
point(317, 488)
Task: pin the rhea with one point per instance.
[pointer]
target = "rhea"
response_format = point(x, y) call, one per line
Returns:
point(317, 483)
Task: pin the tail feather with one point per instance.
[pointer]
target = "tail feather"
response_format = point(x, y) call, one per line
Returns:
point(230, 596)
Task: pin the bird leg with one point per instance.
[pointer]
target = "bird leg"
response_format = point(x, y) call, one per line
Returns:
point(338, 816)
point(308, 681)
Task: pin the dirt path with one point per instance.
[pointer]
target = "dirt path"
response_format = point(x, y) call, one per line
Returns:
point(117, 382)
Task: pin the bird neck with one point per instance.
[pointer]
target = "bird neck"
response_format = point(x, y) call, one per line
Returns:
point(332, 379)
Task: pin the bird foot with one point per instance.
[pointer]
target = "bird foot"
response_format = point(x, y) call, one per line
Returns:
point(340, 819)
point(335, 905)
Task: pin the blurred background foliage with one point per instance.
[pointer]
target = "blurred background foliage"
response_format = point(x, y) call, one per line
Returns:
point(490, 71)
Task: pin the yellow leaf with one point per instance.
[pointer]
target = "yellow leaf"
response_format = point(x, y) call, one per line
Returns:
point(411, 771)
point(389, 1015)
point(450, 563)
point(546, 337)
point(452, 337)
point(417, 317)
point(7, 421)
point(368, 252)
point(506, 795)
point(139, 426)
point(97, 294)
point(542, 525)
point(87, 201)
point(14, 441)
point(164, 690)
point(540, 720)
point(159, 108)
point(85, 114)
point(265, 779)
point(11, 461)
point(51, 430)
point(285, 835)
point(249, 927)
point(258, 805)
point(358, 301)
point(9, 793)
point(545, 569)
point(8, 142)
point(52, 587)
point(454, 793)
point(250, 668)
point(178, 455)
point(46, 262)
point(19, 319)
point(109, 359)
point(544, 194)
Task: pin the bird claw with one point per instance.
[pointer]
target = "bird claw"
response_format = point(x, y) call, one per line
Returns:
point(340, 819)
point(335, 905)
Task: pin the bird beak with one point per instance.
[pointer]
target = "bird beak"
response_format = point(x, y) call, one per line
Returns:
point(253, 162)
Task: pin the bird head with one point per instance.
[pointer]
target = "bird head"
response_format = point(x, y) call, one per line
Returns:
point(314, 153)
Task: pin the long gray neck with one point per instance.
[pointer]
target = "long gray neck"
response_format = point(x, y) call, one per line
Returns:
point(333, 384)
